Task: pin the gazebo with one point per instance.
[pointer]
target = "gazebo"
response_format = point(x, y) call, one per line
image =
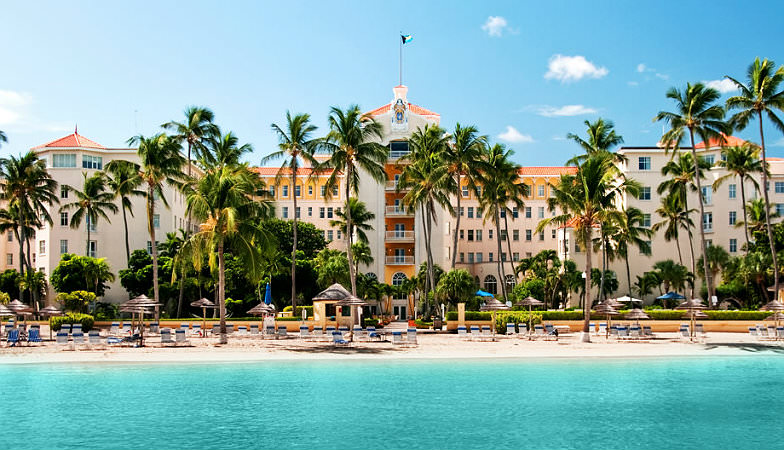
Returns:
point(339, 297)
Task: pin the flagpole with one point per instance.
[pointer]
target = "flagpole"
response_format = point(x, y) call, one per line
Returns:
point(400, 60)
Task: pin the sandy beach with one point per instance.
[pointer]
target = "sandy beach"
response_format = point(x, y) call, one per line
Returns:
point(430, 346)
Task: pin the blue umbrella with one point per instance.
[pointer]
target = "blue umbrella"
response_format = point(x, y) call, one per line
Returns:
point(482, 293)
point(671, 296)
point(268, 295)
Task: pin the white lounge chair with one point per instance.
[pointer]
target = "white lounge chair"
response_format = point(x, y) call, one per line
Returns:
point(591, 327)
point(684, 332)
point(411, 337)
point(700, 330)
point(254, 329)
point(487, 333)
point(602, 329)
point(510, 329)
point(94, 338)
point(155, 328)
point(475, 332)
point(196, 330)
point(372, 334)
point(269, 332)
point(646, 331)
point(166, 337)
point(242, 330)
point(304, 332)
point(282, 332)
point(538, 332)
point(462, 333)
point(229, 328)
point(318, 333)
point(780, 332)
point(337, 339)
point(179, 337)
point(78, 339)
point(126, 328)
point(359, 333)
point(61, 338)
point(397, 338)
point(115, 328)
point(753, 332)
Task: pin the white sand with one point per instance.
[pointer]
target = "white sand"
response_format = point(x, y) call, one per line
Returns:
point(431, 346)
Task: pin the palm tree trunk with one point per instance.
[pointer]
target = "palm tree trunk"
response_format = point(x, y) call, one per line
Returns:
point(294, 247)
point(222, 293)
point(767, 211)
point(693, 271)
point(125, 227)
point(188, 220)
point(182, 292)
point(87, 249)
point(431, 272)
point(702, 215)
point(604, 264)
point(22, 261)
point(689, 234)
point(586, 337)
point(457, 223)
point(349, 253)
point(509, 246)
point(745, 216)
point(628, 273)
point(151, 229)
point(678, 246)
point(501, 270)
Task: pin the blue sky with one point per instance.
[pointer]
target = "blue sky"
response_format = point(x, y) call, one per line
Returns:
point(525, 73)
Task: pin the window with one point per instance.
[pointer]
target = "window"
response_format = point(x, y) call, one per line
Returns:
point(733, 217)
point(707, 195)
point(491, 284)
point(515, 256)
point(503, 256)
point(310, 191)
point(398, 278)
point(576, 247)
point(92, 162)
point(779, 187)
point(552, 234)
point(462, 234)
point(464, 191)
point(285, 212)
point(470, 257)
point(330, 213)
point(541, 235)
point(645, 193)
point(285, 192)
point(707, 221)
point(92, 226)
point(767, 185)
point(310, 211)
point(298, 190)
point(64, 161)
point(470, 235)
point(541, 190)
point(646, 220)
point(527, 254)
point(478, 212)
point(540, 212)
point(479, 191)
point(528, 235)
point(490, 234)
point(321, 212)
point(63, 246)
point(733, 190)
point(297, 212)
point(462, 211)
point(503, 213)
point(334, 191)
point(510, 282)
point(64, 191)
point(490, 256)
point(503, 235)
point(470, 212)
point(323, 191)
point(330, 235)
point(479, 257)
point(10, 236)
point(92, 249)
point(339, 235)
point(515, 235)
point(42, 247)
point(644, 163)
point(527, 212)
point(156, 220)
point(733, 245)
point(479, 235)
point(710, 159)
point(398, 149)
point(9, 259)
point(780, 209)
point(63, 219)
point(462, 257)
point(515, 212)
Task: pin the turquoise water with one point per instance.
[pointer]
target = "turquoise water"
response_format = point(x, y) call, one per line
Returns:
point(705, 403)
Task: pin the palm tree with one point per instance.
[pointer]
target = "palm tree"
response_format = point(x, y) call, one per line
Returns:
point(160, 164)
point(673, 275)
point(362, 255)
point(296, 146)
point(586, 198)
point(674, 218)
point(717, 259)
point(456, 286)
point(28, 190)
point(757, 97)
point(601, 139)
point(171, 248)
point(757, 216)
point(740, 161)
point(631, 232)
point(696, 113)
point(361, 219)
point(124, 182)
point(92, 202)
point(461, 156)
point(429, 184)
point(351, 143)
point(3, 137)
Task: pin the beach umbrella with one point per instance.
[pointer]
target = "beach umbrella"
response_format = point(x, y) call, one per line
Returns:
point(530, 302)
point(775, 306)
point(607, 309)
point(493, 305)
point(482, 293)
point(671, 296)
point(268, 294)
point(139, 305)
point(631, 300)
point(636, 314)
point(692, 306)
point(204, 304)
point(775, 317)
point(50, 311)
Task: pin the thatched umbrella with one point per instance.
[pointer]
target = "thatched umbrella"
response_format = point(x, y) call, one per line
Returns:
point(140, 305)
point(530, 302)
point(204, 304)
point(775, 306)
point(636, 314)
point(20, 309)
point(264, 310)
point(493, 305)
point(608, 310)
point(50, 311)
point(692, 306)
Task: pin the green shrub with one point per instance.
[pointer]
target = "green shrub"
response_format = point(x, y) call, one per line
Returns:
point(370, 322)
point(106, 311)
point(85, 319)
point(76, 301)
point(516, 317)
point(422, 324)
point(309, 309)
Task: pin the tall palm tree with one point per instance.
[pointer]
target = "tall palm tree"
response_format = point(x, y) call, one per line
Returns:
point(757, 216)
point(585, 199)
point(740, 161)
point(461, 156)
point(673, 275)
point(92, 202)
point(717, 259)
point(124, 182)
point(761, 95)
point(429, 184)
point(602, 137)
point(631, 232)
point(362, 255)
point(696, 113)
point(29, 191)
point(296, 146)
point(510, 196)
point(352, 145)
point(171, 248)
point(361, 219)
point(196, 127)
point(160, 164)
point(675, 217)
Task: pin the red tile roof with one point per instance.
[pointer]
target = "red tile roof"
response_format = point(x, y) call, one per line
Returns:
point(72, 140)
point(731, 141)
point(547, 170)
point(416, 109)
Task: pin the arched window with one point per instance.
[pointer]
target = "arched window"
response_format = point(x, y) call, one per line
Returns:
point(491, 284)
point(398, 278)
point(510, 282)
point(371, 276)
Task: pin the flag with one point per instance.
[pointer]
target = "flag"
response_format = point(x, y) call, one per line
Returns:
point(406, 38)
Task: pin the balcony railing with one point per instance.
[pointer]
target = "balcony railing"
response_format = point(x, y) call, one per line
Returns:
point(398, 211)
point(400, 236)
point(392, 186)
point(395, 154)
point(400, 260)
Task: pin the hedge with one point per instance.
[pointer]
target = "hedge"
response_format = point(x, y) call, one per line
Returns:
point(56, 322)
point(309, 309)
point(655, 314)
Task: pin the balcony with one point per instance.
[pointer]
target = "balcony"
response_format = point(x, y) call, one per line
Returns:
point(395, 154)
point(398, 211)
point(399, 236)
point(392, 186)
point(400, 260)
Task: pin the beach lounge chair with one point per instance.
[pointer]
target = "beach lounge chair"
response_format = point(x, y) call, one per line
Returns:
point(337, 339)
point(166, 337)
point(254, 329)
point(242, 330)
point(304, 332)
point(94, 338)
point(602, 329)
point(634, 332)
point(155, 328)
point(510, 329)
point(397, 338)
point(411, 337)
point(186, 327)
point(269, 332)
point(126, 328)
point(646, 331)
point(318, 333)
point(487, 333)
point(683, 332)
point(753, 332)
point(372, 334)
point(475, 332)
point(61, 338)
point(12, 338)
point(196, 330)
point(343, 330)
point(462, 333)
point(522, 330)
point(78, 339)
point(359, 333)
point(76, 328)
point(179, 337)
point(591, 327)
point(548, 328)
point(115, 328)
point(229, 328)
point(538, 332)
point(780, 333)
point(700, 330)
point(614, 331)
point(623, 333)
point(34, 335)
point(282, 332)
point(215, 329)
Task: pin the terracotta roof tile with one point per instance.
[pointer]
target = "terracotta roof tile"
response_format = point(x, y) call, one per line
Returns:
point(731, 141)
point(416, 109)
point(72, 140)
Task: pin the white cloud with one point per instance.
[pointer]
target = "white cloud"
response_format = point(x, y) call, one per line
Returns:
point(572, 68)
point(663, 76)
point(724, 85)
point(495, 25)
point(512, 135)
point(632, 83)
point(11, 104)
point(565, 111)
point(641, 68)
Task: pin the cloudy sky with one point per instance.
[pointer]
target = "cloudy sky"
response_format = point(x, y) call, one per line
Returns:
point(525, 73)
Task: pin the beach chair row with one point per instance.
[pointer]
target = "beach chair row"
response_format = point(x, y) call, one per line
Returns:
point(767, 333)
point(18, 335)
